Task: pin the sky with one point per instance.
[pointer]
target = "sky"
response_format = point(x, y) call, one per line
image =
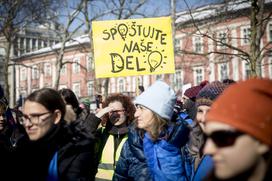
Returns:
point(160, 7)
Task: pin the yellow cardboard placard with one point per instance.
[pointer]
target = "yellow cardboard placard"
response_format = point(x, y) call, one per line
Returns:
point(133, 47)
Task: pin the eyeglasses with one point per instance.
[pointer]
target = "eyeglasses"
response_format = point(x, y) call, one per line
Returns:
point(34, 118)
point(224, 138)
point(117, 111)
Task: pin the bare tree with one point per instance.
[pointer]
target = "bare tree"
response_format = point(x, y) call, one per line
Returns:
point(15, 15)
point(259, 16)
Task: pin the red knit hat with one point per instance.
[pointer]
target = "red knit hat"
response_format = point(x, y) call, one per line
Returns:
point(193, 91)
point(246, 106)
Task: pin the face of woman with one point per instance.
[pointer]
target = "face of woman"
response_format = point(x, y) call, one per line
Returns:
point(118, 113)
point(144, 118)
point(37, 120)
point(201, 114)
point(233, 152)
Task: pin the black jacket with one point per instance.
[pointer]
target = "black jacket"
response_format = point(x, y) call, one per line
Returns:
point(75, 156)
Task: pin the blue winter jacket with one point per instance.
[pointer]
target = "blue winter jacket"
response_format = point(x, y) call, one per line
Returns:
point(132, 164)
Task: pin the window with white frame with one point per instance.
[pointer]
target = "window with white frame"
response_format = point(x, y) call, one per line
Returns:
point(222, 38)
point(90, 88)
point(76, 65)
point(63, 69)
point(223, 71)
point(35, 72)
point(76, 89)
point(198, 45)
point(90, 63)
point(269, 32)
point(47, 69)
point(246, 32)
point(23, 72)
point(198, 75)
point(121, 85)
point(177, 79)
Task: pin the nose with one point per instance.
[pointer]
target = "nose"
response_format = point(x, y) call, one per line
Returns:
point(27, 123)
point(209, 147)
point(137, 113)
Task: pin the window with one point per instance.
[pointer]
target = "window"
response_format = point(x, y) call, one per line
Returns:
point(90, 63)
point(222, 38)
point(198, 75)
point(47, 69)
point(27, 44)
point(76, 65)
point(39, 44)
point(177, 43)
point(247, 70)
point(177, 79)
point(35, 72)
point(270, 32)
point(23, 74)
point(121, 85)
point(245, 35)
point(22, 47)
point(63, 69)
point(197, 41)
point(34, 47)
point(159, 77)
point(223, 71)
point(76, 89)
point(90, 88)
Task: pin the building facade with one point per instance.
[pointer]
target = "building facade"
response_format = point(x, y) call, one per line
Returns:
point(200, 54)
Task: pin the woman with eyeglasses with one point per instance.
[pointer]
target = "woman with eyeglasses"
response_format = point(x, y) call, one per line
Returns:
point(54, 153)
point(152, 151)
point(239, 132)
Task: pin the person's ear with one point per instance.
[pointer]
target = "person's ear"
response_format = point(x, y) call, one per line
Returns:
point(57, 116)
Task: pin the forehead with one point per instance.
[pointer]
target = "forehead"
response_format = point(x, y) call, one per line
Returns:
point(217, 126)
point(116, 104)
point(33, 107)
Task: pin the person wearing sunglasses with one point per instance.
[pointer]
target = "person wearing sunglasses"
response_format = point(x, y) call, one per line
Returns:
point(239, 132)
point(152, 150)
point(53, 153)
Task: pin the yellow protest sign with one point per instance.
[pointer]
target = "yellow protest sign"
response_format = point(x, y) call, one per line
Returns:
point(133, 47)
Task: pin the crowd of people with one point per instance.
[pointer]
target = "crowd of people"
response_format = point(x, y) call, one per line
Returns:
point(212, 131)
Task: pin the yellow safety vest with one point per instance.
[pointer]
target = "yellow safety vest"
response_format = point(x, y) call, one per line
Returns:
point(106, 166)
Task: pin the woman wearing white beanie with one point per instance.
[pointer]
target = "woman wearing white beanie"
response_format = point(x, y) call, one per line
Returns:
point(152, 151)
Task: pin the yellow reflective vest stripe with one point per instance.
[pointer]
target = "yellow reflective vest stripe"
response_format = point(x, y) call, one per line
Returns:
point(106, 166)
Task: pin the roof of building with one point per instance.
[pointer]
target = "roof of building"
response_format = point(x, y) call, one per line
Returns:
point(74, 41)
point(212, 10)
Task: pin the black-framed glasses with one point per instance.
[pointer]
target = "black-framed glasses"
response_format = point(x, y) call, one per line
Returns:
point(33, 118)
point(224, 138)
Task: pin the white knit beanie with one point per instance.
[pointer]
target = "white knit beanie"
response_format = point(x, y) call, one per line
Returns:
point(159, 98)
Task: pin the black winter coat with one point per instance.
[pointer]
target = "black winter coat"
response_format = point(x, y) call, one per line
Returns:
point(75, 157)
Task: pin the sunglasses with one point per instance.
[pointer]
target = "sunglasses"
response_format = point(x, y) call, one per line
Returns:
point(224, 138)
